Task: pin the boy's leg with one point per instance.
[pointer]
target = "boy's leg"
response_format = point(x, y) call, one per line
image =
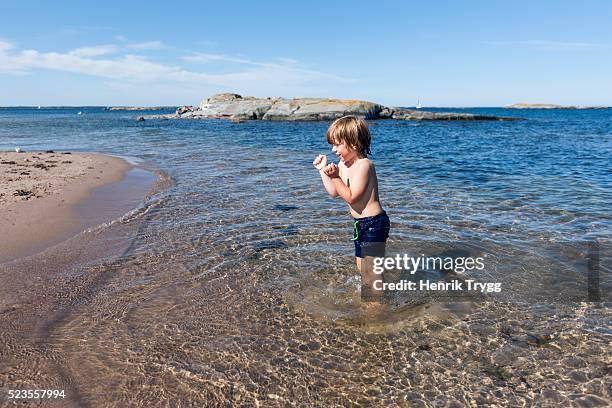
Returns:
point(373, 245)
point(358, 263)
point(371, 283)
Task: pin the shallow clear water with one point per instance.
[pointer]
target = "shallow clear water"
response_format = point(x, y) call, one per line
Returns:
point(237, 280)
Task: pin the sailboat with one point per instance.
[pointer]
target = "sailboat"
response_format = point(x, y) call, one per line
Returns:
point(418, 105)
point(38, 106)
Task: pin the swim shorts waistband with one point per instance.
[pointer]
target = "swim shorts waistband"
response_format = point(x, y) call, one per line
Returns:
point(372, 218)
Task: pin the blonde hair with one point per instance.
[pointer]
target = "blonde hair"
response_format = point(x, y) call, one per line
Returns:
point(352, 131)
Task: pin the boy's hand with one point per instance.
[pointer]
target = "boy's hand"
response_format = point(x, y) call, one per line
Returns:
point(332, 170)
point(320, 162)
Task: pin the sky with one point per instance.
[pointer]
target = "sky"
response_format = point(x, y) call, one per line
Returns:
point(444, 53)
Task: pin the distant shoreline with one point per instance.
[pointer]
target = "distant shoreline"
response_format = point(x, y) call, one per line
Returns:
point(550, 106)
point(144, 108)
point(102, 107)
point(139, 108)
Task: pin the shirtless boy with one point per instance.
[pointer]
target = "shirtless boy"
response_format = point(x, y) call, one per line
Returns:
point(354, 179)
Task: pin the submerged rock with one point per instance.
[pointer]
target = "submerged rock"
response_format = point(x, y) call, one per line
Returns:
point(409, 114)
point(539, 339)
point(168, 116)
point(184, 109)
point(138, 108)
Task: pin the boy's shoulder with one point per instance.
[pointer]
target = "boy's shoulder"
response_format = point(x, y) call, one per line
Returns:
point(364, 163)
point(361, 166)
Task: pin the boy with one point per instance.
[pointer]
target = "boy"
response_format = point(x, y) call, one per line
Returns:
point(354, 179)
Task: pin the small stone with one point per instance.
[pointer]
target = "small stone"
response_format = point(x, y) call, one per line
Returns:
point(552, 395)
point(538, 339)
point(578, 376)
point(591, 401)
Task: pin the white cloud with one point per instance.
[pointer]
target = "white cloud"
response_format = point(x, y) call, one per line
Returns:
point(129, 67)
point(287, 60)
point(203, 58)
point(5, 46)
point(268, 74)
point(149, 45)
point(250, 75)
point(7, 64)
point(95, 50)
point(285, 68)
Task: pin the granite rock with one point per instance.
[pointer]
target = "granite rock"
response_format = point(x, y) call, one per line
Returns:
point(321, 109)
point(238, 108)
point(410, 114)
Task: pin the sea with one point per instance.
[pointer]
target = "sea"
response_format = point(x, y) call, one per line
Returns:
point(233, 281)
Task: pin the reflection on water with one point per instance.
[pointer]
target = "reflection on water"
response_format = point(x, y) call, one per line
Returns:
point(235, 284)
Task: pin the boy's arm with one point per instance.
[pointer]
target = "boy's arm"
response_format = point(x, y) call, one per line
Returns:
point(328, 184)
point(359, 182)
point(320, 163)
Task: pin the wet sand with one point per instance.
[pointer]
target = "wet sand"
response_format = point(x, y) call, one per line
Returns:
point(38, 193)
point(46, 283)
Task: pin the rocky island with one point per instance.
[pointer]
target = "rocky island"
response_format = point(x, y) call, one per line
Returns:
point(238, 108)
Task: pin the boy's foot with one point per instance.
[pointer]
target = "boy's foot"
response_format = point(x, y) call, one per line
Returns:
point(370, 295)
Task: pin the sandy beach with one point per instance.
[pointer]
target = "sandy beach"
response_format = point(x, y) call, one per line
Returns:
point(38, 191)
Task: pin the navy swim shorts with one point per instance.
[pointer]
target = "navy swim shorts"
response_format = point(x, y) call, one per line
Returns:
point(370, 235)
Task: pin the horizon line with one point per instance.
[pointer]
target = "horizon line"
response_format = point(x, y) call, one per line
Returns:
point(399, 106)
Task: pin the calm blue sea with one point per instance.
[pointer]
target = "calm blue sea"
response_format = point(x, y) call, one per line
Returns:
point(547, 176)
point(504, 187)
point(239, 282)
